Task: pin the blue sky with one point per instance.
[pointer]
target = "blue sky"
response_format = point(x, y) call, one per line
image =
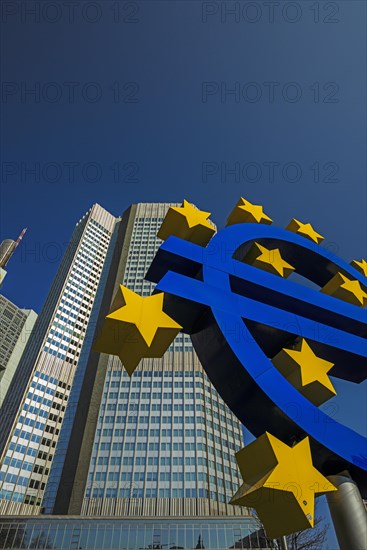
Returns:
point(160, 101)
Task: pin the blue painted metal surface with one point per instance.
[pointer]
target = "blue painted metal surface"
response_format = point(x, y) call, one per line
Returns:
point(240, 316)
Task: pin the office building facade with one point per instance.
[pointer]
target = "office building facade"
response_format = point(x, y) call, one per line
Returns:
point(87, 533)
point(159, 444)
point(140, 462)
point(35, 404)
point(15, 328)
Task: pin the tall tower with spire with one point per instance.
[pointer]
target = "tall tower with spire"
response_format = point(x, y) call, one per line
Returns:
point(7, 248)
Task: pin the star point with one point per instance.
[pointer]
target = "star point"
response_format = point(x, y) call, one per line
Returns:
point(188, 223)
point(349, 290)
point(307, 372)
point(268, 259)
point(304, 229)
point(246, 212)
point(280, 482)
point(360, 266)
point(136, 327)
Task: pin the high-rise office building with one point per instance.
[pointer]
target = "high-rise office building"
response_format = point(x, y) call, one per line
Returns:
point(34, 407)
point(15, 328)
point(161, 443)
point(140, 462)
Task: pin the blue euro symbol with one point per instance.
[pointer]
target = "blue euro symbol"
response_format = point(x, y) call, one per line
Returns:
point(239, 317)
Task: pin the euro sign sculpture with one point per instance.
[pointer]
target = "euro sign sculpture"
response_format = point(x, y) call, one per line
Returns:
point(268, 345)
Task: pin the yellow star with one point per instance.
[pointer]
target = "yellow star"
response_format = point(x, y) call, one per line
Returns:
point(305, 229)
point(269, 260)
point(360, 266)
point(280, 482)
point(187, 222)
point(346, 289)
point(246, 212)
point(136, 327)
point(306, 371)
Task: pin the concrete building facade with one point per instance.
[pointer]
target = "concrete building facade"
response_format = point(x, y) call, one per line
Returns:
point(16, 325)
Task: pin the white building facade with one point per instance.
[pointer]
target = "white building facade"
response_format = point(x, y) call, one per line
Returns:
point(34, 408)
point(16, 325)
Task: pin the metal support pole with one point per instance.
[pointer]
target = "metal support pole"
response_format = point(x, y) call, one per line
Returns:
point(348, 513)
point(283, 543)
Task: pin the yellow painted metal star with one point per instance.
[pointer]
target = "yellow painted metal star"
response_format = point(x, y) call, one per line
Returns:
point(280, 482)
point(246, 212)
point(268, 259)
point(136, 327)
point(305, 229)
point(187, 222)
point(306, 371)
point(360, 266)
point(346, 289)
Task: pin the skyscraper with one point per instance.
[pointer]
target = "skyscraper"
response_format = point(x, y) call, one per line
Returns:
point(15, 328)
point(99, 460)
point(161, 443)
point(33, 410)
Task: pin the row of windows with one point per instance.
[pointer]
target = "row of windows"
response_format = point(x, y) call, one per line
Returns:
point(163, 461)
point(173, 407)
point(42, 387)
point(35, 410)
point(120, 432)
point(39, 399)
point(59, 335)
point(55, 353)
point(154, 395)
point(220, 534)
point(99, 229)
point(175, 446)
point(67, 327)
point(25, 420)
point(16, 463)
point(157, 420)
point(14, 478)
point(142, 461)
point(156, 384)
point(57, 344)
point(155, 374)
point(22, 449)
point(134, 418)
point(45, 377)
point(22, 434)
point(15, 496)
point(148, 492)
point(119, 374)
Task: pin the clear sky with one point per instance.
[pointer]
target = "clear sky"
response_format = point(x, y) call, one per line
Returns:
point(160, 101)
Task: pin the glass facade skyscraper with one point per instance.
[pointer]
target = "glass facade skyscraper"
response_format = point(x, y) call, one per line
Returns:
point(165, 445)
point(165, 441)
point(34, 408)
point(161, 443)
point(102, 460)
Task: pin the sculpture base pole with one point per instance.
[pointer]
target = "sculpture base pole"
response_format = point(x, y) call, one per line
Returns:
point(348, 513)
